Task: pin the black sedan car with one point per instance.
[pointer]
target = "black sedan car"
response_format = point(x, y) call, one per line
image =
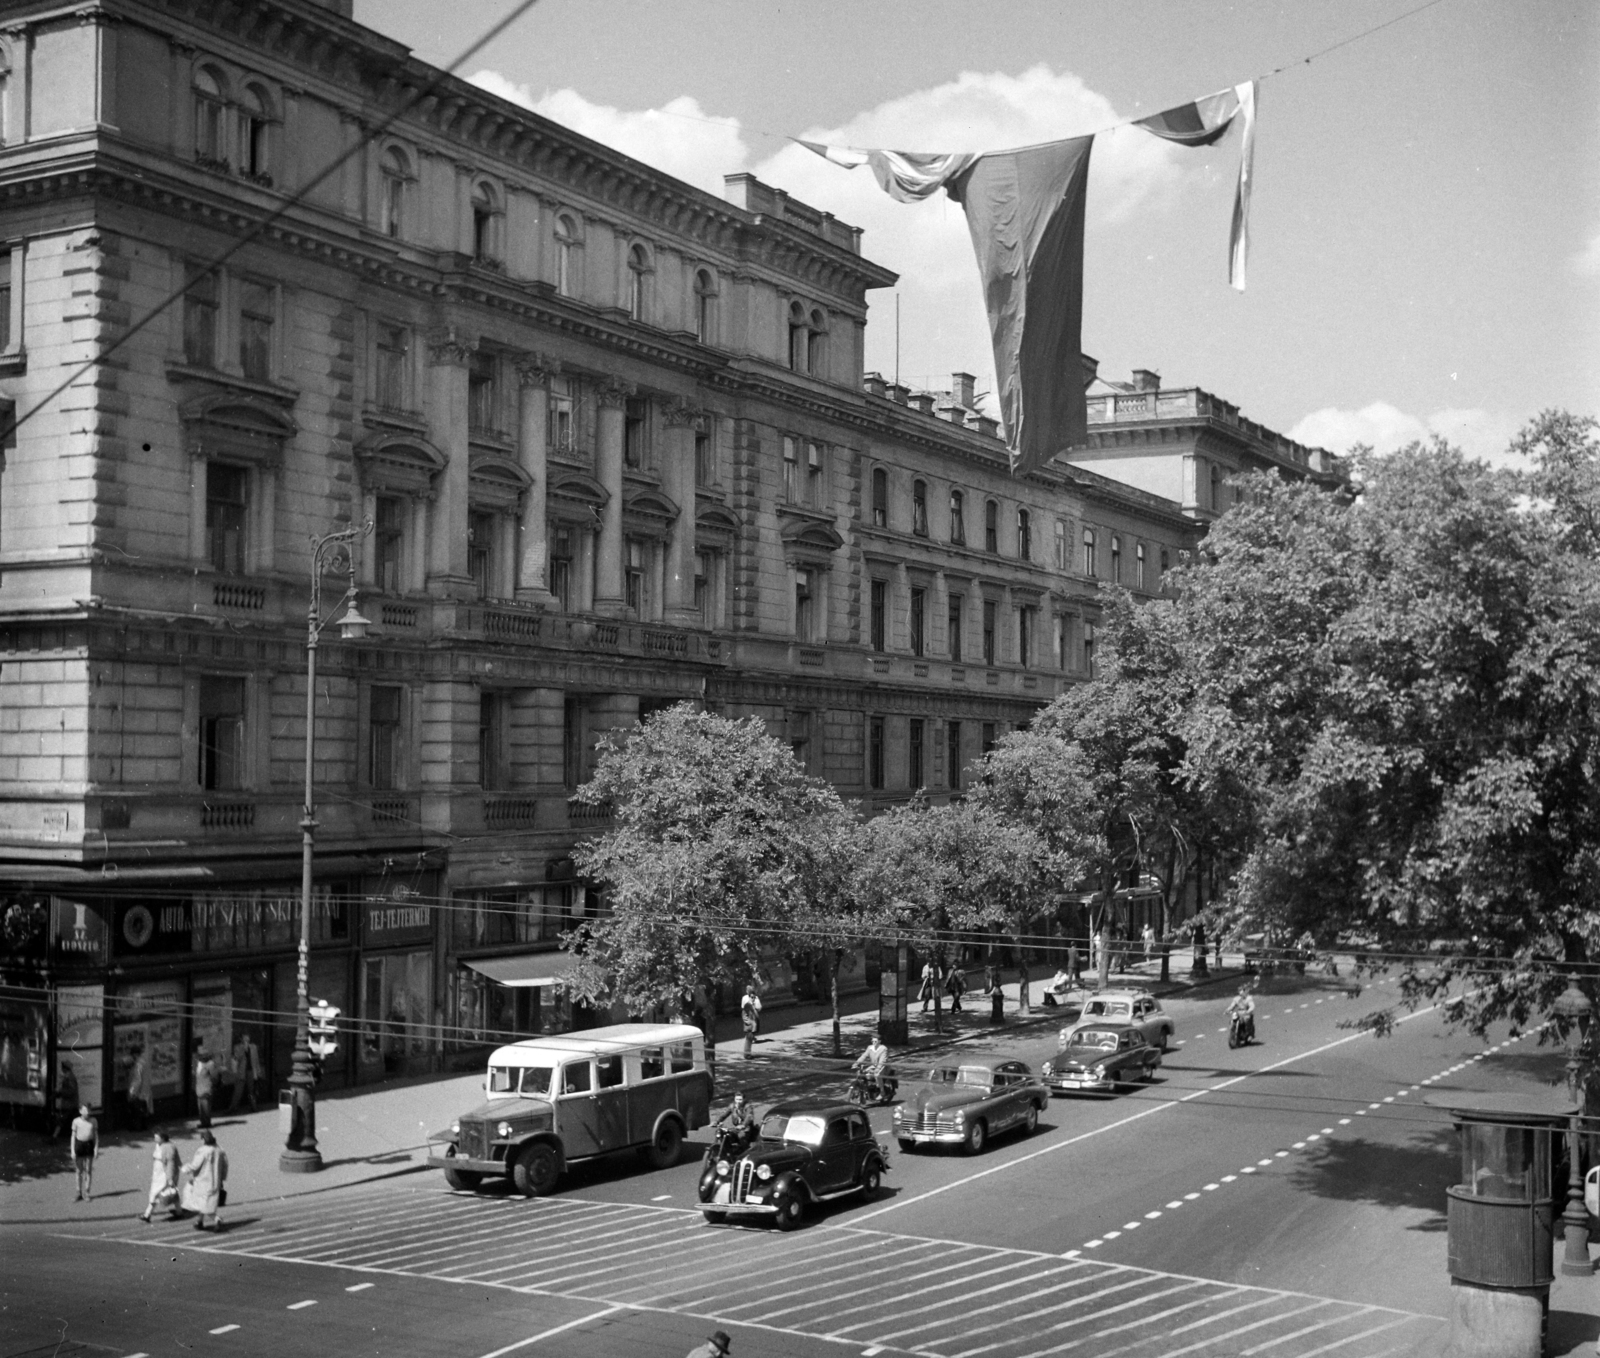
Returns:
point(807, 1153)
point(1101, 1058)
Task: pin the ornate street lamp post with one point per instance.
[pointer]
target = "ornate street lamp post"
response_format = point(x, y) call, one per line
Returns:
point(300, 1154)
point(1573, 1007)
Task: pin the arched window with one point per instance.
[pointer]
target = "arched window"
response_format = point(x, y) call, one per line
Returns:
point(880, 498)
point(396, 173)
point(705, 307)
point(991, 526)
point(484, 209)
point(210, 141)
point(799, 337)
point(1024, 535)
point(958, 524)
point(566, 248)
point(816, 345)
point(255, 131)
point(639, 283)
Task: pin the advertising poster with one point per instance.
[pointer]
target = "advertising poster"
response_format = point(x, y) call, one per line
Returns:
point(150, 1020)
point(213, 1018)
point(80, 1035)
point(24, 1028)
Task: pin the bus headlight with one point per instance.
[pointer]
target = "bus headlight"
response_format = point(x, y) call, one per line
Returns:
point(503, 1130)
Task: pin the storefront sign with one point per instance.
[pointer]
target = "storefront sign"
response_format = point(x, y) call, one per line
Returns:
point(79, 930)
point(259, 919)
point(152, 927)
point(400, 918)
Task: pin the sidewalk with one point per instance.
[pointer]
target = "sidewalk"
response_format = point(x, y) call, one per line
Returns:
point(380, 1132)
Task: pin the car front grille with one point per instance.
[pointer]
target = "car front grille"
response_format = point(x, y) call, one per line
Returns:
point(937, 1124)
point(472, 1141)
point(744, 1178)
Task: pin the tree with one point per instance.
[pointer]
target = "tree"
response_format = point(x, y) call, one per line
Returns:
point(713, 845)
point(1401, 687)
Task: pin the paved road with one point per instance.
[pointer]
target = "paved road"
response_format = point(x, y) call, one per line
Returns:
point(1283, 1200)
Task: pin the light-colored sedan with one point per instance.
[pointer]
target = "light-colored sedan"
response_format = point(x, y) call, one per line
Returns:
point(965, 1104)
point(1137, 1009)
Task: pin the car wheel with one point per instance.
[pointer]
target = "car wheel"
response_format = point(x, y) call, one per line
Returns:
point(536, 1170)
point(871, 1181)
point(664, 1147)
point(1030, 1123)
point(1161, 1042)
point(977, 1134)
point(791, 1211)
point(1149, 1074)
point(907, 1145)
point(716, 1218)
point(465, 1180)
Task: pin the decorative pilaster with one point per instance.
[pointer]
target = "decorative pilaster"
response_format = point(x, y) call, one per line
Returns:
point(448, 356)
point(534, 372)
point(682, 421)
point(608, 596)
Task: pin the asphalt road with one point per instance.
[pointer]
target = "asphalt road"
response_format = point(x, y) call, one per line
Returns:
point(1284, 1199)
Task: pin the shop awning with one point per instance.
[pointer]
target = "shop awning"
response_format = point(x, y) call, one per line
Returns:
point(528, 969)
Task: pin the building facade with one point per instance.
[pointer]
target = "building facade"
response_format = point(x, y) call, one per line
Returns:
point(616, 450)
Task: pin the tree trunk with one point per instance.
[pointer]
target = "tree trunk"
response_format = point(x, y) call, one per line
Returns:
point(838, 1049)
point(938, 986)
point(1022, 978)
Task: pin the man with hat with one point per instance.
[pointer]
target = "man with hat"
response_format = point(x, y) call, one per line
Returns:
point(718, 1346)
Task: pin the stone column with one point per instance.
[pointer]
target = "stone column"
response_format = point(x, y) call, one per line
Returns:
point(679, 481)
point(533, 426)
point(199, 546)
point(448, 355)
point(608, 595)
point(583, 588)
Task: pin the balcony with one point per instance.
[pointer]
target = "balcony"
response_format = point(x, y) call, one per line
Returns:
point(227, 815)
point(510, 812)
point(590, 817)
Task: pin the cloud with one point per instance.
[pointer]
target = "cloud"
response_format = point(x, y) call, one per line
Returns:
point(1478, 433)
point(679, 138)
point(1587, 260)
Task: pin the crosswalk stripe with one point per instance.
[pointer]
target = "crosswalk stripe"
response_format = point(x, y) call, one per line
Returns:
point(1304, 1330)
point(1356, 1338)
point(1006, 1267)
point(1245, 1329)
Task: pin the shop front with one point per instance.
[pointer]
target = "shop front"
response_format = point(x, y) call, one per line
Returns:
point(400, 1025)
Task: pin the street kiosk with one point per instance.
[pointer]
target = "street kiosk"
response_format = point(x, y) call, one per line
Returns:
point(1502, 1221)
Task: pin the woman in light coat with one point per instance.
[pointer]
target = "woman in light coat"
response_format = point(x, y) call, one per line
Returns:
point(163, 1177)
point(207, 1172)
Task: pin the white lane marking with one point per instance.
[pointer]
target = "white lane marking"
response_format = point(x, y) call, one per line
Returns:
point(1244, 1329)
point(1229, 1178)
point(1008, 1266)
point(360, 1287)
point(1151, 1216)
point(1046, 1310)
point(1248, 1169)
point(1326, 1131)
point(1344, 1122)
point(1264, 1163)
point(546, 1334)
point(225, 1329)
point(872, 1352)
point(1112, 1235)
point(1093, 1244)
point(1280, 1155)
point(1305, 1330)
point(140, 1354)
point(1190, 1197)
point(1077, 1280)
point(1130, 1225)
point(1176, 1202)
point(299, 1305)
point(1365, 1334)
point(1071, 1254)
point(1388, 1099)
point(1315, 1136)
point(1299, 1146)
point(661, 1197)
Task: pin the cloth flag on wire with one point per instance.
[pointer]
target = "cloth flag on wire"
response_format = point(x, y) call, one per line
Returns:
point(1203, 122)
point(1024, 210)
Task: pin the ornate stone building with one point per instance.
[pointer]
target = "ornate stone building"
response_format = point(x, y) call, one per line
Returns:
point(617, 450)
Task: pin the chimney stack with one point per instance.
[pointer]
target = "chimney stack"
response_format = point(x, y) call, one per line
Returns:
point(897, 392)
point(874, 383)
point(961, 388)
point(1145, 380)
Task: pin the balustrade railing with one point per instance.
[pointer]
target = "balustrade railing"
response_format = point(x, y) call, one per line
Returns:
point(227, 815)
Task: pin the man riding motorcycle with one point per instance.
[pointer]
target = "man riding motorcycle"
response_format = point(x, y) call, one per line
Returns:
point(1242, 1015)
point(738, 1121)
point(872, 1063)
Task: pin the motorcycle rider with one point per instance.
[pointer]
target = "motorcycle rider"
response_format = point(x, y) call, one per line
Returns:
point(739, 1120)
point(1243, 1009)
point(872, 1064)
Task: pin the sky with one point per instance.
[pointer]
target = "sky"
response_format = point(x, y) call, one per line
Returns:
point(1425, 230)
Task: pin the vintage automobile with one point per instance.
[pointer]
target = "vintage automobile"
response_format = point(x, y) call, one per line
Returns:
point(1101, 1058)
point(964, 1105)
point(1136, 1008)
point(553, 1100)
point(807, 1153)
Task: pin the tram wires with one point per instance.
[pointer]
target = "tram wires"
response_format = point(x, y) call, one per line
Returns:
point(260, 228)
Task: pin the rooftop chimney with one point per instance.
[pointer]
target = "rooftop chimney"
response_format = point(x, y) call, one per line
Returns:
point(1145, 380)
point(874, 383)
point(897, 392)
point(961, 387)
point(923, 401)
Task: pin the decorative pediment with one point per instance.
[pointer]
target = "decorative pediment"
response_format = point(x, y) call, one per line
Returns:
point(399, 462)
point(574, 497)
point(496, 481)
point(646, 512)
point(716, 525)
point(236, 425)
point(811, 533)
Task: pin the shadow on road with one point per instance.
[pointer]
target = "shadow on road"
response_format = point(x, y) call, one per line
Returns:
point(1413, 1175)
point(1571, 1332)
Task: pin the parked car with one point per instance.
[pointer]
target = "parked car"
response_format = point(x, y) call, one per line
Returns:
point(808, 1152)
point(1101, 1058)
point(1136, 1008)
point(554, 1100)
point(964, 1105)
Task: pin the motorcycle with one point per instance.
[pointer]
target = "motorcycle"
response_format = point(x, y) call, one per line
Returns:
point(1241, 1029)
point(727, 1143)
point(864, 1091)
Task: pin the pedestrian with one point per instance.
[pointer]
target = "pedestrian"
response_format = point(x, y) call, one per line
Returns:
point(955, 985)
point(163, 1177)
point(1149, 937)
point(141, 1094)
point(1074, 964)
point(204, 1193)
point(930, 983)
point(66, 1100)
point(750, 1015)
point(1098, 944)
point(205, 1084)
point(246, 1072)
point(85, 1149)
point(997, 995)
point(717, 1346)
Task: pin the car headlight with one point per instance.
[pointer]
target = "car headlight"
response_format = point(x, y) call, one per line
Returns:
point(1098, 1072)
point(504, 1129)
point(455, 1128)
point(1045, 1070)
point(763, 1172)
point(722, 1169)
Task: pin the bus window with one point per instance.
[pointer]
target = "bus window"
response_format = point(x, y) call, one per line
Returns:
point(652, 1063)
point(609, 1070)
point(575, 1078)
point(682, 1056)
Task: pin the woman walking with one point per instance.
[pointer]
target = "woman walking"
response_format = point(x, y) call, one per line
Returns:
point(203, 1193)
point(163, 1177)
point(85, 1147)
